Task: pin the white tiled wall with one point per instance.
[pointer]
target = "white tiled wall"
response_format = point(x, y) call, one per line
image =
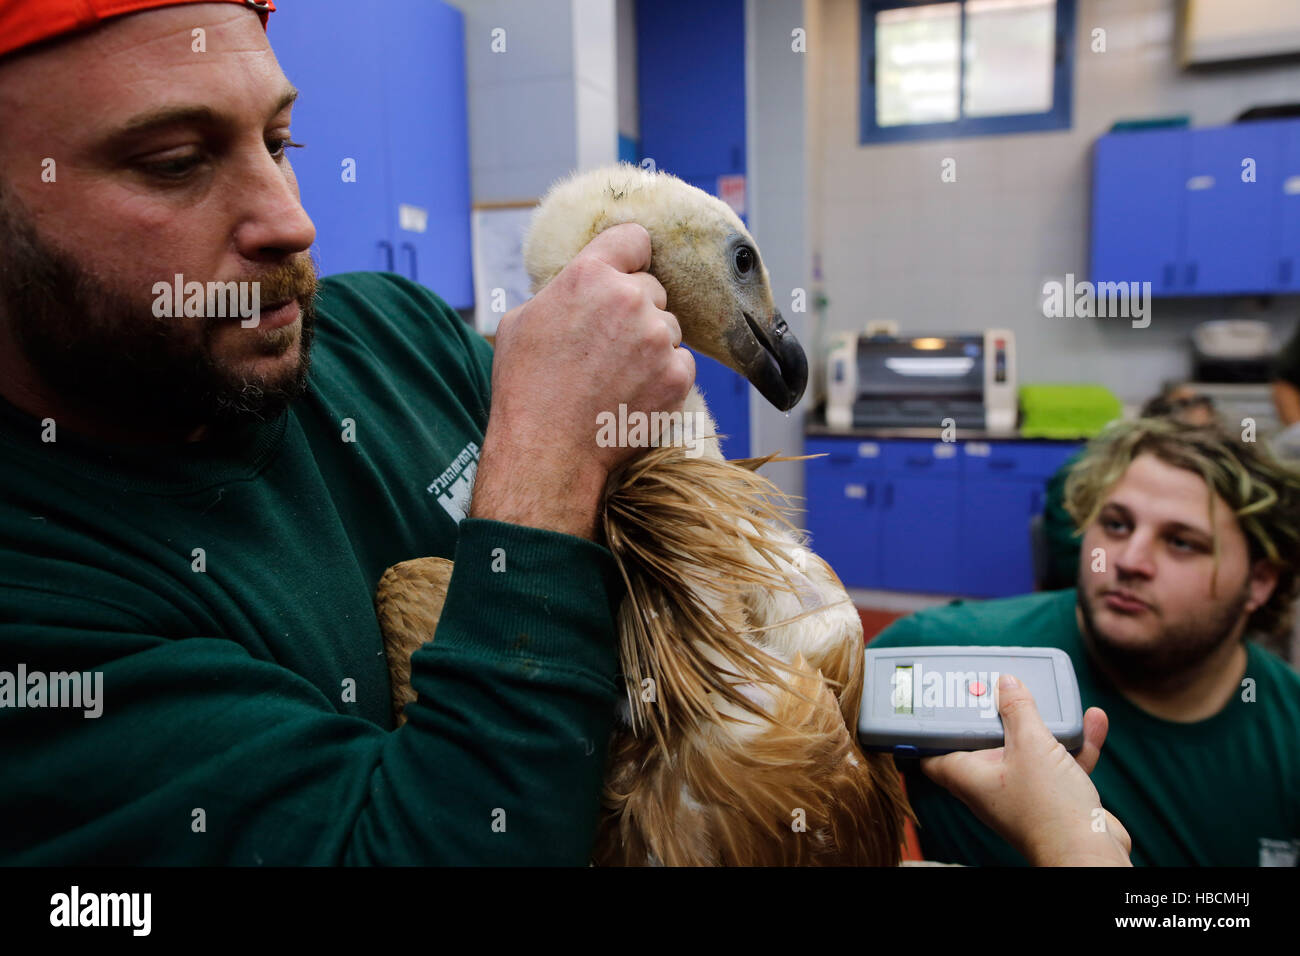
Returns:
point(596, 82)
point(547, 104)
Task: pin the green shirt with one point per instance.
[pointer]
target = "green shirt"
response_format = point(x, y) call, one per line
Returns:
point(1220, 792)
point(224, 591)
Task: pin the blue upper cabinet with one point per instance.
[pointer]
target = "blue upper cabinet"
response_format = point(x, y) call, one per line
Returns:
point(1287, 197)
point(691, 99)
point(343, 169)
point(1231, 201)
point(691, 86)
point(1136, 208)
point(385, 175)
point(1199, 212)
point(727, 395)
point(428, 145)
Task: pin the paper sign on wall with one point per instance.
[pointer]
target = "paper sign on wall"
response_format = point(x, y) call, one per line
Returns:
point(731, 190)
point(500, 280)
point(412, 218)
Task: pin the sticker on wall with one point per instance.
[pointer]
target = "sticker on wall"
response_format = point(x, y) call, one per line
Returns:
point(500, 280)
point(412, 218)
point(731, 190)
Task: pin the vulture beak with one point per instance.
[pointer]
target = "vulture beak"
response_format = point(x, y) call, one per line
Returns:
point(774, 363)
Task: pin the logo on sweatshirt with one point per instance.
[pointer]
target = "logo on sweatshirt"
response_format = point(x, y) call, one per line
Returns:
point(456, 483)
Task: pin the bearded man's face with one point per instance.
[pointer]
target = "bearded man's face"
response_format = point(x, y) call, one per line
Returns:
point(1154, 605)
point(130, 158)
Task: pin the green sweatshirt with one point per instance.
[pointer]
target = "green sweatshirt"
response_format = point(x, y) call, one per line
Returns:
point(1224, 791)
point(222, 592)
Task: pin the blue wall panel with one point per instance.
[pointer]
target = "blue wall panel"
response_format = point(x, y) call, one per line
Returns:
point(388, 95)
point(691, 88)
point(338, 117)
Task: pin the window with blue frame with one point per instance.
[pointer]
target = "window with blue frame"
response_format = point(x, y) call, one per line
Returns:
point(935, 70)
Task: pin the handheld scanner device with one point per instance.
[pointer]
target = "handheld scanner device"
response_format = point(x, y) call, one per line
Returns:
point(919, 701)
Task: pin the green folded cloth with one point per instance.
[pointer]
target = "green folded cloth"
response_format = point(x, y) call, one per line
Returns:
point(1066, 411)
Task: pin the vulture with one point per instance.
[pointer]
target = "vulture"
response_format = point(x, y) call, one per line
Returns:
point(742, 655)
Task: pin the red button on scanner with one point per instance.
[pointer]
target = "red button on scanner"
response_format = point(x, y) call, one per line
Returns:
point(977, 688)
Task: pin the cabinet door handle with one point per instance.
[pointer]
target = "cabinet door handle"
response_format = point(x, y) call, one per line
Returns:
point(1284, 271)
point(1169, 274)
point(388, 250)
point(1191, 275)
point(410, 247)
point(889, 495)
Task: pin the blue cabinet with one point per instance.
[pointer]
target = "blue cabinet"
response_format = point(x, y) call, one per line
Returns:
point(691, 102)
point(428, 142)
point(1230, 244)
point(996, 529)
point(382, 111)
point(1004, 486)
point(843, 493)
point(343, 169)
point(1136, 208)
point(927, 516)
point(919, 534)
point(1288, 199)
point(727, 395)
point(691, 87)
point(918, 515)
point(1198, 211)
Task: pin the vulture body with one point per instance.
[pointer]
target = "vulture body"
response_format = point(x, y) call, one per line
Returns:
point(741, 652)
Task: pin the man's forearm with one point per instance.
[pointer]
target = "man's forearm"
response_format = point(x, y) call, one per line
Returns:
point(537, 489)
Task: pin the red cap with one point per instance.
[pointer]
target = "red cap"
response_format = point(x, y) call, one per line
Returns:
point(27, 22)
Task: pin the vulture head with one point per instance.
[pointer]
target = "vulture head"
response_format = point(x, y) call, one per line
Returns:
point(702, 255)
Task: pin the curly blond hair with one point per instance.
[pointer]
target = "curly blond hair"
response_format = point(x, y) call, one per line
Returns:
point(1263, 493)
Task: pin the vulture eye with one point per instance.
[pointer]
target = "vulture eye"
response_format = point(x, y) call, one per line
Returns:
point(745, 260)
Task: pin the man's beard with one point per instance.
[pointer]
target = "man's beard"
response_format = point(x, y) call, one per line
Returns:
point(1175, 653)
point(105, 354)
